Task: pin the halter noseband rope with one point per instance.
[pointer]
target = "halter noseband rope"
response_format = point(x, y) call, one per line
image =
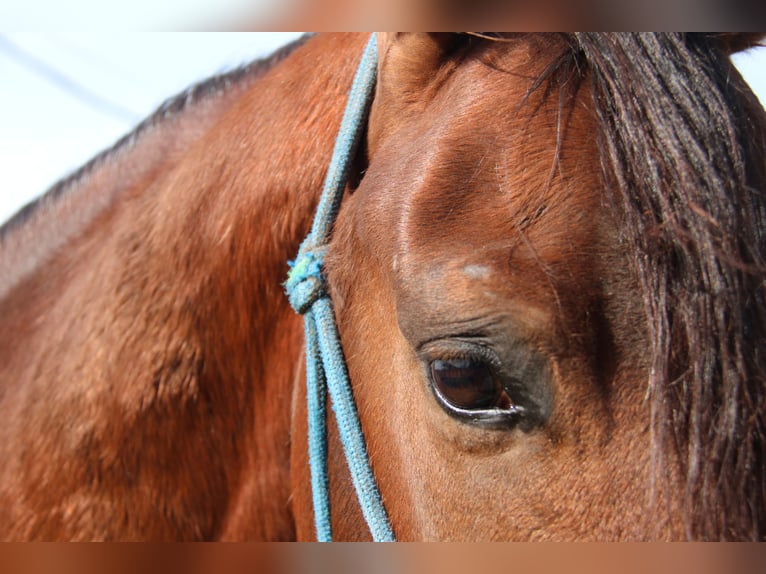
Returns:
point(325, 364)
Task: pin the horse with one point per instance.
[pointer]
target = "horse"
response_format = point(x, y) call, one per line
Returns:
point(547, 273)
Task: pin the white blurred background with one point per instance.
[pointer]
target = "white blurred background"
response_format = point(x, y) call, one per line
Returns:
point(66, 96)
point(137, 15)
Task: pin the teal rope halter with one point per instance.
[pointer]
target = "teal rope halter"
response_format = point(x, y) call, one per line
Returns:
point(325, 364)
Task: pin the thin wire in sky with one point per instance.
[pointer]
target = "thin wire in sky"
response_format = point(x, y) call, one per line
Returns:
point(58, 78)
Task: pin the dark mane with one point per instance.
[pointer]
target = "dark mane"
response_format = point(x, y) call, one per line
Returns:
point(173, 106)
point(682, 152)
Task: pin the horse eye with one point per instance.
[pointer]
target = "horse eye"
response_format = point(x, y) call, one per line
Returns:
point(468, 385)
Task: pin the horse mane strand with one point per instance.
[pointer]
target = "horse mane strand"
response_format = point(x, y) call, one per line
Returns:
point(686, 160)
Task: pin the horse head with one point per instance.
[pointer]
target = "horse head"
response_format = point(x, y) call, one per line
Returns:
point(520, 315)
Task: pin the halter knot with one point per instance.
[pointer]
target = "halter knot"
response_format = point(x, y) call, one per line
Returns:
point(326, 371)
point(305, 281)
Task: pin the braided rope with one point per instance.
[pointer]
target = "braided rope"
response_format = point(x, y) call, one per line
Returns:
point(325, 363)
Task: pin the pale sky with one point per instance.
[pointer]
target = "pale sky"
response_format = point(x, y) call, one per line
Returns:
point(134, 15)
point(65, 97)
point(48, 129)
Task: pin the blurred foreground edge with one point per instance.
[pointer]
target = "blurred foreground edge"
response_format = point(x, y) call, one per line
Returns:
point(572, 558)
point(510, 15)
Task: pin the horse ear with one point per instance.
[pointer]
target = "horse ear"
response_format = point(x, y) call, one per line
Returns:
point(407, 64)
point(732, 42)
point(412, 58)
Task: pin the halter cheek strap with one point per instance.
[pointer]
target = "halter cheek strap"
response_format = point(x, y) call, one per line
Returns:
point(325, 363)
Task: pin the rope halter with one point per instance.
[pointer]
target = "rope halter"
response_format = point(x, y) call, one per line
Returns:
point(325, 364)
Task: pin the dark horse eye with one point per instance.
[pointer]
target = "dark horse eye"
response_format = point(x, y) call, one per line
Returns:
point(468, 384)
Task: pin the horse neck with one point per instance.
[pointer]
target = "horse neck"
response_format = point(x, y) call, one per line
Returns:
point(156, 328)
point(71, 207)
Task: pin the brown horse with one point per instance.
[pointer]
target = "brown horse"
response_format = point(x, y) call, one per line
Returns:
point(548, 274)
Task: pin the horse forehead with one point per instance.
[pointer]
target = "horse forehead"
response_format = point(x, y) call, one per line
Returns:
point(433, 195)
point(458, 184)
point(457, 181)
point(441, 166)
point(481, 123)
